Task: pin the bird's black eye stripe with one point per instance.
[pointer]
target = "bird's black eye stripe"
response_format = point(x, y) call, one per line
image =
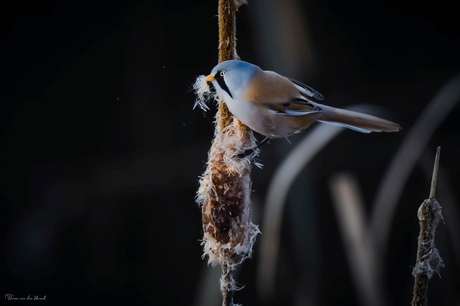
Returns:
point(220, 80)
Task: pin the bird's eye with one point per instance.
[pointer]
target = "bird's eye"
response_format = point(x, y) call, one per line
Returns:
point(222, 73)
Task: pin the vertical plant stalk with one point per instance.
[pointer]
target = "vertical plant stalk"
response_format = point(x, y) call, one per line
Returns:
point(227, 29)
point(362, 256)
point(225, 187)
point(428, 259)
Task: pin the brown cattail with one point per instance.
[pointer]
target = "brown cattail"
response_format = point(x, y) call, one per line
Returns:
point(225, 187)
point(224, 196)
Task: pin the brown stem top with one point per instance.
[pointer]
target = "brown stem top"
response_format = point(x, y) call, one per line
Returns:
point(434, 178)
point(227, 30)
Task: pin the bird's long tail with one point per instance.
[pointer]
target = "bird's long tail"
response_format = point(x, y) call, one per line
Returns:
point(356, 121)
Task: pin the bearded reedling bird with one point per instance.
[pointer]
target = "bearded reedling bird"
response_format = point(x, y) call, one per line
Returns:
point(276, 106)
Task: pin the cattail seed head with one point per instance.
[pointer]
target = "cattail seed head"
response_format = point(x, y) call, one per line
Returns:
point(225, 188)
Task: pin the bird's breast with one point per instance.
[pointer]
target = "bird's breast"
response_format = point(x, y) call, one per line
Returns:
point(248, 113)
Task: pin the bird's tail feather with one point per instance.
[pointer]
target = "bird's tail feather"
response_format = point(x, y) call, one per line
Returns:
point(356, 121)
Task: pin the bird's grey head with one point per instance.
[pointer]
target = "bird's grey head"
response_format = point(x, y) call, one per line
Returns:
point(232, 76)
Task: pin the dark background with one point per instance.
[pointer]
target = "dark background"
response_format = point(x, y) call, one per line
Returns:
point(101, 151)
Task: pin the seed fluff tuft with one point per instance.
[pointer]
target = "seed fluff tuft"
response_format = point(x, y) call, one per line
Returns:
point(203, 93)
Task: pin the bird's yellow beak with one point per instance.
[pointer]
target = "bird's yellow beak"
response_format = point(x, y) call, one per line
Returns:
point(209, 78)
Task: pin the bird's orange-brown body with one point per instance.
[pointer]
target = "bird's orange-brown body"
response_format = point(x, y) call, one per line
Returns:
point(276, 106)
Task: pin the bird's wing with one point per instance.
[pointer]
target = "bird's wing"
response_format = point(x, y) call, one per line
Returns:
point(295, 107)
point(307, 91)
point(281, 95)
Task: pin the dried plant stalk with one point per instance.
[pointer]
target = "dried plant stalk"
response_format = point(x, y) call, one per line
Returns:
point(362, 255)
point(225, 187)
point(428, 259)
